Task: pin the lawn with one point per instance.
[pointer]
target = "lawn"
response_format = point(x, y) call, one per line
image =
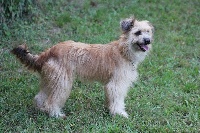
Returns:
point(166, 98)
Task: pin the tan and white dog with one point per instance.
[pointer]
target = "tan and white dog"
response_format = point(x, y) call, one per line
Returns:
point(113, 64)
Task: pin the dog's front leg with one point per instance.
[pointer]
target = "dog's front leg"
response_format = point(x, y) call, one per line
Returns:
point(115, 95)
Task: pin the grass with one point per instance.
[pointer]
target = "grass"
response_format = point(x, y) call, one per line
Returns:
point(166, 98)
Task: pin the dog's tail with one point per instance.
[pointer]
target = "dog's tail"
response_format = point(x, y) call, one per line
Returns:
point(32, 62)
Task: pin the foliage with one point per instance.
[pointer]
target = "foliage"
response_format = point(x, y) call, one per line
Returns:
point(15, 8)
point(12, 10)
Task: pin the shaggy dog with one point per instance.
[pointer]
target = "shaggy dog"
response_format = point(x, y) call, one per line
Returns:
point(113, 64)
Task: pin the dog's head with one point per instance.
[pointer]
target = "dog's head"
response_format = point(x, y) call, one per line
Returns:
point(139, 34)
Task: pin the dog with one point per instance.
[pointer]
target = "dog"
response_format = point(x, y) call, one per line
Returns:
point(113, 64)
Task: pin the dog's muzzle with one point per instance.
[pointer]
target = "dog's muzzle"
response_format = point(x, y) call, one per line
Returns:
point(144, 46)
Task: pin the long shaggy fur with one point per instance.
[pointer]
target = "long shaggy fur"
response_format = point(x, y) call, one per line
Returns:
point(114, 65)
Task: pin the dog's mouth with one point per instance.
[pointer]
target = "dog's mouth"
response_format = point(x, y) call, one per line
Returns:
point(143, 47)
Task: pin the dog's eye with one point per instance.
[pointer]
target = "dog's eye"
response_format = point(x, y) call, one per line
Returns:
point(147, 31)
point(138, 33)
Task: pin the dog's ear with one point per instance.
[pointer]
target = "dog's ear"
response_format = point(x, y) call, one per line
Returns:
point(152, 28)
point(127, 24)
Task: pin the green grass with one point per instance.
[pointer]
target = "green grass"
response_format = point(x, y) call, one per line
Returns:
point(166, 97)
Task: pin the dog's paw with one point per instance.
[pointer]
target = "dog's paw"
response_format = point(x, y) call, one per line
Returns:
point(124, 114)
point(121, 113)
point(62, 116)
point(58, 115)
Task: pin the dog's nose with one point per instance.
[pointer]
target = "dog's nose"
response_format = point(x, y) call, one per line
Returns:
point(147, 41)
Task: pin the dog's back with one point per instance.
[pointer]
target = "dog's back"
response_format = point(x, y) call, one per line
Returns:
point(95, 62)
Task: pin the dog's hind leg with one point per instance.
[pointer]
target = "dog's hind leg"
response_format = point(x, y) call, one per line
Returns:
point(40, 99)
point(60, 91)
point(56, 88)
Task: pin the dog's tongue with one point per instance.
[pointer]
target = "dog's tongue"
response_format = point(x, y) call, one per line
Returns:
point(145, 47)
